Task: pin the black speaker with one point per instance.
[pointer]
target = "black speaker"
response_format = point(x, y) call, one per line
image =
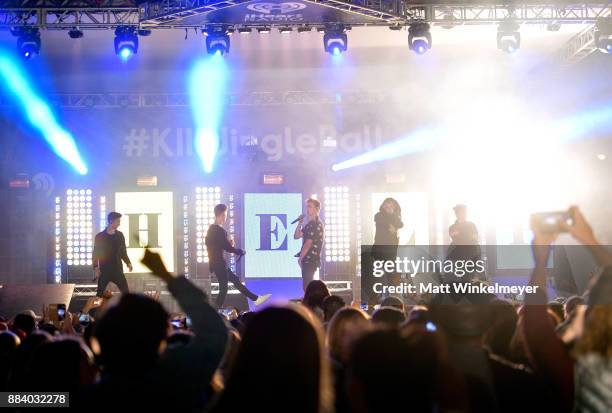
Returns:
point(25, 236)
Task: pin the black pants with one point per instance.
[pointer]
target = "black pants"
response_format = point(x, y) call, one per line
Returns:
point(308, 272)
point(224, 275)
point(116, 277)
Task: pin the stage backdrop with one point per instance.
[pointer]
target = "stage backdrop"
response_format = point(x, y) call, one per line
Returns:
point(269, 235)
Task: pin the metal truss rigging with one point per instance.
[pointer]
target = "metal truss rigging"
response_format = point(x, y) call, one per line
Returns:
point(108, 14)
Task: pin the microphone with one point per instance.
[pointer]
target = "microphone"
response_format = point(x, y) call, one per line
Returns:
point(297, 219)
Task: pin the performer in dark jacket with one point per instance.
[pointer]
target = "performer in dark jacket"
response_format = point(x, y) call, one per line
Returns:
point(216, 243)
point(108, 253)
point(388, 221)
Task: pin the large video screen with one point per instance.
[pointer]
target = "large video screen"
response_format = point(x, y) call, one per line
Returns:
point(268, 235)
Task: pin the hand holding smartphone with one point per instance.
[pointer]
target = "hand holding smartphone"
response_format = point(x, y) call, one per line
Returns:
point(552, 222)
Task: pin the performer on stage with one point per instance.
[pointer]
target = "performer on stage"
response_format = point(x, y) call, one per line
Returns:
point(463, 232)
point(216, 242)
point(464, 242)
point(313, 234)
point(108, 253)
point(388, 221)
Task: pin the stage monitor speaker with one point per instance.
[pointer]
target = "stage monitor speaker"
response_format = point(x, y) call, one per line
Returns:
point(15, 299)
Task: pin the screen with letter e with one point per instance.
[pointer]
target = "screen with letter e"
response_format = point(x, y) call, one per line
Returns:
point(268, 235)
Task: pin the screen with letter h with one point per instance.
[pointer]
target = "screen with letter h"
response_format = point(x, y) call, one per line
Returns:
point(268, 235)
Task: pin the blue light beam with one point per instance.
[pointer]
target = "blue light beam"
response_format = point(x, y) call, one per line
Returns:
point(417, 142)
point(39, 114)
point(207, 87)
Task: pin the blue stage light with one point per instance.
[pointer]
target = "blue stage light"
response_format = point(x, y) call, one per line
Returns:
point(417, 142)
point(39, 114)
point(28, 41)
point(125, 52)
point(335, 40)
point(419, 37)
point(126, 42)
point(217, 40)
point(419, 46)
point(207, 88)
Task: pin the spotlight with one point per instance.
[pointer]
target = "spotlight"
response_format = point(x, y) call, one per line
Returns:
point(304, 29)
point(603, 35)
point(263, 30)
point(217, 40)
point(419, 38)
point(126, 42)
point(335, 40)
point(508, 36)
point(395, 27)
point(28, 41)
point(75, 33)
point(144, 32)
point(244, 30)
point(285, 30)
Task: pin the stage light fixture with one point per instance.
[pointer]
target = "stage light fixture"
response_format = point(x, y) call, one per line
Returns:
point(206, 199)
point(285, 30)
point(553, 27)
point(75, 33)
point(79, 231)
point(395, 27)
point(508, 36)
point(419, 38)
point(263, 30)
point(28, 41)
point(217, 40)
point(603, 35)
point(126, 42)
point(244, 30)
point(304, 29)
point(337, 234)
point(335, 40)
point(144, 32)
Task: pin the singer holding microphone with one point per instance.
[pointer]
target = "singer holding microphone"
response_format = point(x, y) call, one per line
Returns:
point(216, 242)
point(312, 235)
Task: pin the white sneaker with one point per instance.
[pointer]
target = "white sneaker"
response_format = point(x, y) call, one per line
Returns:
point(262, 299)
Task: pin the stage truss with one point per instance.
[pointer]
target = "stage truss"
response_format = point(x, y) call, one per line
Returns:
point(180, 14)
point(169, 14)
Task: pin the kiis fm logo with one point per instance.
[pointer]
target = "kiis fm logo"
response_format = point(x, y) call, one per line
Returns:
point(274, 12)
